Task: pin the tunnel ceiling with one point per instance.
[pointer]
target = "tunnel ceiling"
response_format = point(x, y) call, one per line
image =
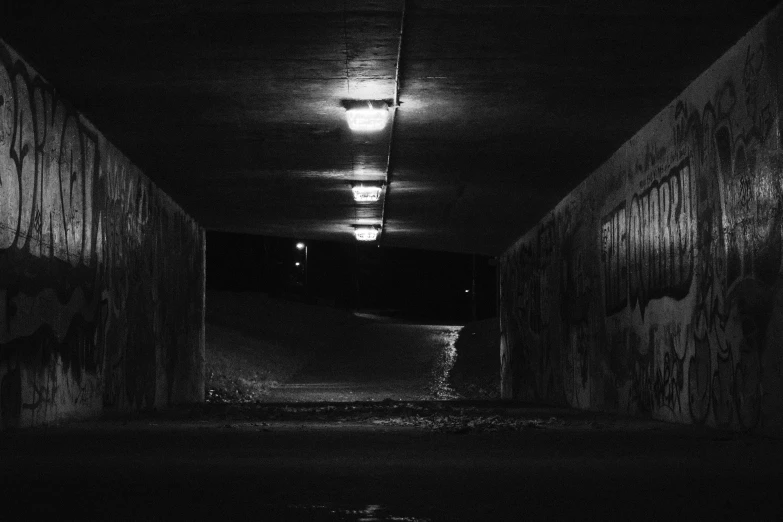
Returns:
point(236, 107)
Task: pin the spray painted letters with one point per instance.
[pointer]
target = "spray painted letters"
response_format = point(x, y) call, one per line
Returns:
point(648, 249)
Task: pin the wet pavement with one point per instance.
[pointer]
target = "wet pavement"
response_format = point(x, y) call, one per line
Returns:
point(389, 460)
point(378, 360)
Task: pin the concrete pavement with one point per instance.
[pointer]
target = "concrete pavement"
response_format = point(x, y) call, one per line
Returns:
point(409, 461)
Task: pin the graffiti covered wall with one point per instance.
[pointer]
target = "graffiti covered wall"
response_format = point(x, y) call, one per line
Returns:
point(655, 287)
point(101, 274)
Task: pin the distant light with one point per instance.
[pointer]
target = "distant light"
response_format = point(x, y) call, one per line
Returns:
point(367, 119)
point(300, 246)
point(298, 263)
point(366, 193)
point(467, 291)
point(366, 233)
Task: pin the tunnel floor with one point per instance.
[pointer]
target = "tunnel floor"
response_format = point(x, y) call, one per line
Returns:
point(370, 430)
point(388, 460)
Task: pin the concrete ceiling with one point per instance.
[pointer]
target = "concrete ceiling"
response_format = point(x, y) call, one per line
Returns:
point(236, 107)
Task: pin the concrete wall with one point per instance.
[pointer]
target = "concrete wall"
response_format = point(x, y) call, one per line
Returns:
point(655, 287)
point(101, 273)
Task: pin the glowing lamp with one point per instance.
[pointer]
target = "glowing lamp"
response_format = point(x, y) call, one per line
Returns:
point(300, 246)
point(364, 193)
point(366, 233)
point(367, 119)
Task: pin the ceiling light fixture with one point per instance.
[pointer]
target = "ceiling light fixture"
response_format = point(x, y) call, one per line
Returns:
point(365, 193)
point(371, 117)
point(366, 233)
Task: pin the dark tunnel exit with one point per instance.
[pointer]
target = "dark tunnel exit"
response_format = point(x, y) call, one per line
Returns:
point(411, 283)
point(296, 320)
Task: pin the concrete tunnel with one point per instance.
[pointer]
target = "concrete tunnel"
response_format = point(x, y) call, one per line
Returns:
point(616, 170)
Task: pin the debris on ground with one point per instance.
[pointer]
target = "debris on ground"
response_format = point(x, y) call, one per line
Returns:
point(441, 416)
point(466, 423)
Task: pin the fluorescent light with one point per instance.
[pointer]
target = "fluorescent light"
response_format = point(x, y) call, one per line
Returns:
point(366, 233)
point(364, 193)
point(367, 119)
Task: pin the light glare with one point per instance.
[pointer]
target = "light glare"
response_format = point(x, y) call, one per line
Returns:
point(300, 246)
point(367, 119)
point(366, 233)
point(363, 193)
